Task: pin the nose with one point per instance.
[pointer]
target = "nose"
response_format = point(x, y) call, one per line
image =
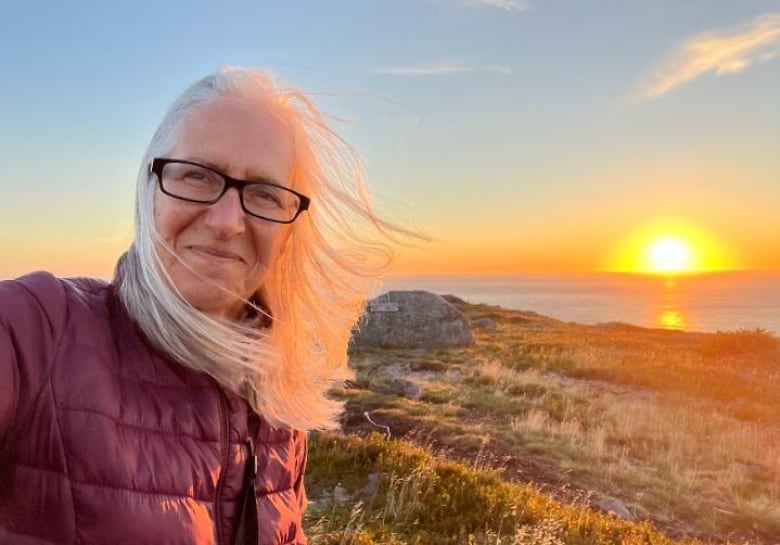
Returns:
point(226, 217)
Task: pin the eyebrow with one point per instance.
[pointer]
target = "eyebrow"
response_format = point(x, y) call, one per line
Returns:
point(221, 169)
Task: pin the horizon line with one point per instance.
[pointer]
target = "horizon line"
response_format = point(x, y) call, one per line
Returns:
point(577, 272)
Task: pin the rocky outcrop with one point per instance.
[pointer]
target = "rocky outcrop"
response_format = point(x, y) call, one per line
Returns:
point(412, 319)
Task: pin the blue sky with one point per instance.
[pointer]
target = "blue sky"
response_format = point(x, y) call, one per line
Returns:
point(520, 135)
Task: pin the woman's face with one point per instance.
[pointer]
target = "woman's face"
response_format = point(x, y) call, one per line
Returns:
point(229, 250)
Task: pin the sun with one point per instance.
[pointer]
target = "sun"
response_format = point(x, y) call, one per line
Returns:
point(669, 255)
point(669, 246)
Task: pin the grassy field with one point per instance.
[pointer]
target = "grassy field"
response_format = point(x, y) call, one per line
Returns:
point(527, 435)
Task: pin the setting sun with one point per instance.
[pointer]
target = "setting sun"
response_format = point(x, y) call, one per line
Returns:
point(670, 246)
point(669, 255)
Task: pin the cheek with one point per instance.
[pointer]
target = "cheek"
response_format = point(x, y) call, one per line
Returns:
point(160, 215)
point(169, 219)
point(269, 243)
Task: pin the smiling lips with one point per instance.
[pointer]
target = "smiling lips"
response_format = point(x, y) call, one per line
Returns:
point(211, 252)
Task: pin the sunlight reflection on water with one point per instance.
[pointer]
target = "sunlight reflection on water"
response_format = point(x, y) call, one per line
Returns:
point(671, 319)
point(671, 314)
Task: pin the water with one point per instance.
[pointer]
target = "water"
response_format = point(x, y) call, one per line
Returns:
point(706, 302)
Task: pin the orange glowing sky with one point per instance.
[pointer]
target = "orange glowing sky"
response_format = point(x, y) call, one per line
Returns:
point(518, 137)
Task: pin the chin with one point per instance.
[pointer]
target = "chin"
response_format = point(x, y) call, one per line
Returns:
point(211, 299)
point(227, 307)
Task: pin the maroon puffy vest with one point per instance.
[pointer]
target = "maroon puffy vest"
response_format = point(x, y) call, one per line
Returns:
point(103, 440)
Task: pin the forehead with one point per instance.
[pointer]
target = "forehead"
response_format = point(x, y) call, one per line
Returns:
point(243, 137)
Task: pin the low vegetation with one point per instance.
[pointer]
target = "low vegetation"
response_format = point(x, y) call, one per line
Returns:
point(527, 436)
point(422, 499)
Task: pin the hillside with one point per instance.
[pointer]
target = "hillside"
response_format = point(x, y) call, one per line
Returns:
point(543, 425)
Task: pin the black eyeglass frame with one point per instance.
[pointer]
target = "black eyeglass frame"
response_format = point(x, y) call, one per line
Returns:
point(158, 163)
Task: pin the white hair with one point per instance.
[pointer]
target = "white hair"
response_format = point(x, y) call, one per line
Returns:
point(314, 291)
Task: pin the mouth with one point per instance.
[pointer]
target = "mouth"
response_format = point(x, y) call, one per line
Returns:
point(215, 253)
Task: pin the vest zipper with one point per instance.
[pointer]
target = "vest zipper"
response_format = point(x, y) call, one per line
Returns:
point(247, 528)
point(224, 445)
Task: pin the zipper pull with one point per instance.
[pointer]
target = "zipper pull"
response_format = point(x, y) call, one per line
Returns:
point(252, 461)
point(253, 426)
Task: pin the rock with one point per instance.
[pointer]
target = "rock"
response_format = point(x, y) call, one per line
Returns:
point(340, 494)
point(412, 319)
point(372, 485)
point(485, 323)
point(403, 387)
point(616, 507)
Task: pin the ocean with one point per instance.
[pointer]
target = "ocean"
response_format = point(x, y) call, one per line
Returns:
point(724, 301)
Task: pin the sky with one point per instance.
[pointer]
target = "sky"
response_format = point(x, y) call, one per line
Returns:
point(538, 136)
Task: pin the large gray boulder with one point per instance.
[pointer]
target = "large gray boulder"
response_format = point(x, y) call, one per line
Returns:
point(412, 319)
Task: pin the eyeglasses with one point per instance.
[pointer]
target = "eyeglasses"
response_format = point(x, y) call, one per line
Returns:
point(192, 182)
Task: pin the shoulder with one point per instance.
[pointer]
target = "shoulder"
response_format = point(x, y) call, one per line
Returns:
point(40, 303)
point(37, 297)
point(35, 313)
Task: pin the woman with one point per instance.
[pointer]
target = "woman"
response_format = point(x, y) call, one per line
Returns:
point(171, 405)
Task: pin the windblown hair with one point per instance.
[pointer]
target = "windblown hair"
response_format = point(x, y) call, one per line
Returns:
point(315, 290)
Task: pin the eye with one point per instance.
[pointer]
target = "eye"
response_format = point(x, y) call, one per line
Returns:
point(264, 195)
point(196, 175)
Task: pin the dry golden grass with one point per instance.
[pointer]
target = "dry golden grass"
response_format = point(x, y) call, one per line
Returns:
point(648, 445)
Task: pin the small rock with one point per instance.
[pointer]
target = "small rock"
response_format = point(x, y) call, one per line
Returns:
point(485, 323)
point(371, 486)
point(340, 494)
point(616, 507)
point(406, 388)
